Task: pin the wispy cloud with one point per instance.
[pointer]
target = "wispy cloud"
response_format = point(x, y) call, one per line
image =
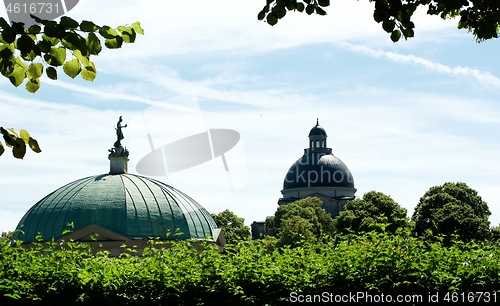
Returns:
point(457, 71)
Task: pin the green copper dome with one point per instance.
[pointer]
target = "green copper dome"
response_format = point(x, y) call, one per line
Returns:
point(130, 205)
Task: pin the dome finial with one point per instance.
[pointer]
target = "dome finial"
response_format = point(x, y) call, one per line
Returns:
point(317, 121)
point(118, 155)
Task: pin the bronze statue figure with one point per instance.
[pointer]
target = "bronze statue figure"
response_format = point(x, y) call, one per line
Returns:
point(119, 133)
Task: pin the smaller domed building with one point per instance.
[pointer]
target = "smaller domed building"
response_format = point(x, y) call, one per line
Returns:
point(316, 173)
point(110, 210)
point(319, 173)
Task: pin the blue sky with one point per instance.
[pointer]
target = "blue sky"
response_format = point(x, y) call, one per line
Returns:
point(403, 117)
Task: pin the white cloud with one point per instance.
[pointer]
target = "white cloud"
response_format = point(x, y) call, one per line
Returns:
point(458, 71)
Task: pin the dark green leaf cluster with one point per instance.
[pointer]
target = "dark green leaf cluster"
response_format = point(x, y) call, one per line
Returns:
point(276, 9)
point(481, 17)
point(452, 208)
point(374, 212)
point(248, 273)
point(233, 227)
point(395, 16)
point(18, 142)
point(301, 220)
point(25, 54)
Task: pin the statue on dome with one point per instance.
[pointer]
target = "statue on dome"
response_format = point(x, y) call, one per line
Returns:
point(119, 133)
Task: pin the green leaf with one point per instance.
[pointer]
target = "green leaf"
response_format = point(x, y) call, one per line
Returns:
point(83, 58)
point(34, 145)
point(44, 45)
point(261, 15)
point(6, 67)
point(310, 9)
point(57, 56)
point(2, 149)
point(69, 23)
point(54, 30)
point(324, 3)
point(114, 43)
point(51, 73)
point(8, 137)
point(108, 32)
point(72, 68)
point(74, 41)
point(24, 135)
point(19, 150)
point(3, 23)
point(279, 11)
point(25, 43)
point(52, 40)
point(88, 26)
point(18, 27)
point(137, 28)
point(13, 132)
point(89, 72)
point(17, 76)
point(271, 19)
point(35, 70)
point(388, 25)
point(94, 44)
point(6, 51)
point(300, 6)
point(33, 85)
point(8, 35)
point(320, 11)
point(34, 29)
point(396, 35)
point(128, 34)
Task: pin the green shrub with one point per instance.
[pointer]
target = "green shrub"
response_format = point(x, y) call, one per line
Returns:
point(248, 273)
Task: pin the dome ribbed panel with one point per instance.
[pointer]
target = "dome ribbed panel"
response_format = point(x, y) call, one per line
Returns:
point(47, 217)
point(186, 216)
point(129, 205)
point(198, 220)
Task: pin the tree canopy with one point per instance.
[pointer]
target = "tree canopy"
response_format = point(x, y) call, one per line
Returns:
point(44, 47)
point(374, 212)
point(303, 219)
point(233, 227)
point(25, 54)
point(481, 17)
point(452, 208)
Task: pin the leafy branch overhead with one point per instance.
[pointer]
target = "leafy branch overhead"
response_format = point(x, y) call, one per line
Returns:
point(18, 142)
point(481, 17)
point(27, 53)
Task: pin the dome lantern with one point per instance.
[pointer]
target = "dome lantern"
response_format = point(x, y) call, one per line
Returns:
point(317, 139)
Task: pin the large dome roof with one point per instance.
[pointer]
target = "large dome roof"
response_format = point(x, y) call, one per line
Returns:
point(318, 170)
point(130, 205)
